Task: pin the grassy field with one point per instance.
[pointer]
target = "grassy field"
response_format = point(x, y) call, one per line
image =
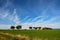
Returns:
point(36, 34)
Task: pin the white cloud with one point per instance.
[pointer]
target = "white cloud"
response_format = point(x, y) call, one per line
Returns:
point(16, 20)
point(52, 19)
point(26, 18)
point(14, 17)
point(14, 12)
point(48, 23)
point(37, 18)
point(44, 23)
point(11, 17)
point(4, 14)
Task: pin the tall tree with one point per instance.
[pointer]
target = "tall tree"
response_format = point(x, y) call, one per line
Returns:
point(18, 27)
point(30, 27)
point(12, 27)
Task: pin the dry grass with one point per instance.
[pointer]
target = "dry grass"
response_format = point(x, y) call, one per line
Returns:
point(31, 34)
point(16, 37)
point(19, 37)
point(2, 38)
point(36, 38)
point(46, 38)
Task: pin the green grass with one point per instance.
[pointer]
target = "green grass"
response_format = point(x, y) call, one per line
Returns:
point(49, 34)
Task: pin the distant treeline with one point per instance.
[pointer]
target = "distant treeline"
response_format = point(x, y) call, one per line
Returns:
point(31, 28)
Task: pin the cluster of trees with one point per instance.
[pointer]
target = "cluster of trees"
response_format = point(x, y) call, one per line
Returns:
point(34, 27)
point(17, 27)
point(40, 28)
point(37, 28)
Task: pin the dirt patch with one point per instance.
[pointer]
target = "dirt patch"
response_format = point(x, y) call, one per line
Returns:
point(15, 37)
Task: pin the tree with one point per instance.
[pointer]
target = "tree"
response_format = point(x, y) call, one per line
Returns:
point(12, 27)
point(18, 27)
point(46, 28)
point(30, 27)
point(39, 28)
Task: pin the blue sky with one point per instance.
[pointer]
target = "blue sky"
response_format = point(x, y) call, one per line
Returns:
point(44, 13)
